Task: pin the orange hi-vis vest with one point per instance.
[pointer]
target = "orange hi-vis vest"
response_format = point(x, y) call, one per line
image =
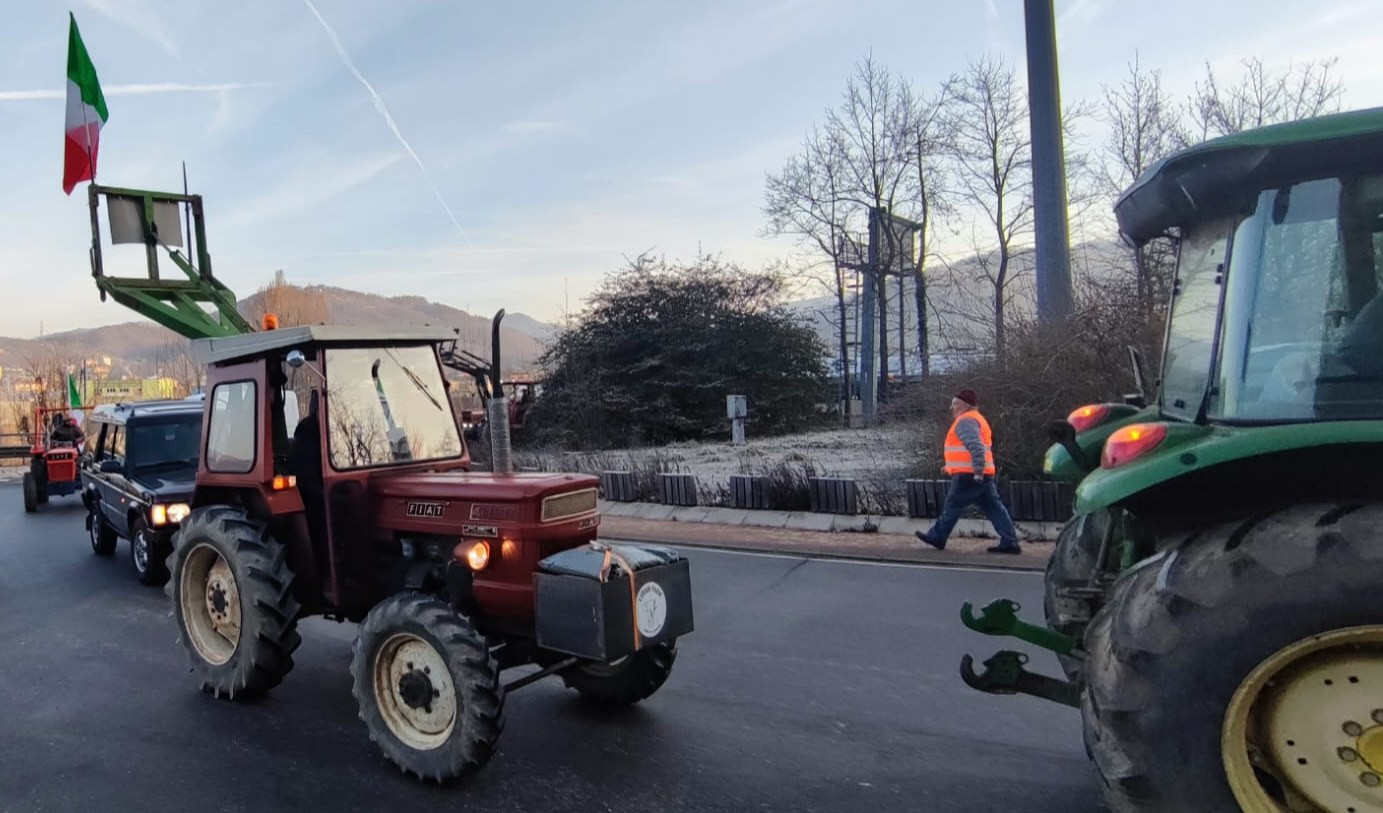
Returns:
point(958, 460)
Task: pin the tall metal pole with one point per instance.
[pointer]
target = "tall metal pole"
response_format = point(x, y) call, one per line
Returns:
point(1048, 164)
point(868, 293)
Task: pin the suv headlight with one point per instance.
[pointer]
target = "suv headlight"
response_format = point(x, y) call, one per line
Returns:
point(171, 513)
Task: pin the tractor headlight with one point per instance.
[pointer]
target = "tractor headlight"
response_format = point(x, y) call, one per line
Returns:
point(172, 513)
point(475, 554)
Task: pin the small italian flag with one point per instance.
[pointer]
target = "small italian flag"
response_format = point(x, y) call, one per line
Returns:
point(86, 112)
point(74, 399)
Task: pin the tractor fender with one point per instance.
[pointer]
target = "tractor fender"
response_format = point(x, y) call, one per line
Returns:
point(1190, 448)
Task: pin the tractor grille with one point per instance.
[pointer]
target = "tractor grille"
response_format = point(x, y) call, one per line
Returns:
point(561, 506)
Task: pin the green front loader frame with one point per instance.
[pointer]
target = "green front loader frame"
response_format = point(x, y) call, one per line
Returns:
point(196, 306)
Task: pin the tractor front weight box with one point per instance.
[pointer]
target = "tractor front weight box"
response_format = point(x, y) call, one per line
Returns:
point(579, 614)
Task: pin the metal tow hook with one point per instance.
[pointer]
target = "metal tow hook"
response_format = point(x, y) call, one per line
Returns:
point(1004, 674)
point(1000, 617)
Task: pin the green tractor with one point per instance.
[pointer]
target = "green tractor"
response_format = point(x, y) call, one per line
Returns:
point(1217, 600)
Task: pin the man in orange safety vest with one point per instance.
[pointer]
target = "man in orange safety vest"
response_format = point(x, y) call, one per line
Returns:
point(969, 456)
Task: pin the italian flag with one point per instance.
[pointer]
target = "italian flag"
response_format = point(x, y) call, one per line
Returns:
point(86, 112)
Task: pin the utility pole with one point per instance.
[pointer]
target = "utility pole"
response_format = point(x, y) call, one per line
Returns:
point(1048, 164)
point(868, 380)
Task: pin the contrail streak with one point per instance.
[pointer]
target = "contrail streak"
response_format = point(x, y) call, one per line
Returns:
point(130, 90)
point(384, 113)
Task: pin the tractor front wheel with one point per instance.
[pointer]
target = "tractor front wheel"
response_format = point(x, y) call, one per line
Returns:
point(427, 687)
point(1242, 669)
point(30, 493)
point(232, 596)
point(627, 680)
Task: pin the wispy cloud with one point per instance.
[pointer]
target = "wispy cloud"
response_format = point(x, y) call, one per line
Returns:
point(139, 18)
point(536, 126)
point(1081, 12)
point(132, 90)
point(383, 110)
point(308, 187)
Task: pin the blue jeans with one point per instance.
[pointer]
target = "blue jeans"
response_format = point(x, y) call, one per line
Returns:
point(965, 491)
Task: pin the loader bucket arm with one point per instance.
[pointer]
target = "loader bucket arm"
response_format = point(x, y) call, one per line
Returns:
point(198, 306)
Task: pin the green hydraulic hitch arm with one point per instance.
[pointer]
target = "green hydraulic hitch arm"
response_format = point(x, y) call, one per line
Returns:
point(1004, 674)
point(1000, 617)
point(197, 307)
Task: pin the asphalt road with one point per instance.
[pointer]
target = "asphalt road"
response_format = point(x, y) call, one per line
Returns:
point(808, 686)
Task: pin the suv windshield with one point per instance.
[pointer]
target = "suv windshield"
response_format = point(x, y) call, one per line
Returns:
point(166, 443)
point(1303, 332)
point(387, 405)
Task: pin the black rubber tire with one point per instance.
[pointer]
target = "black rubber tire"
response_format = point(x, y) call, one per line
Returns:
point(479, 696)
point(155, 570)
point(1071, 564)
point(268, 636)
point(1184, 628)
point(30, 494)
point(634, 679)
point(39, 467)
point(103, 537)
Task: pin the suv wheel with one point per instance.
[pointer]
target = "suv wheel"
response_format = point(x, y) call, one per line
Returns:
point(147, 554)
point(103, 536)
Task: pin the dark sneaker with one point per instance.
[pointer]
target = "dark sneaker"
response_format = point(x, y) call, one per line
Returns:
point(1004, 549)
point(938, 545)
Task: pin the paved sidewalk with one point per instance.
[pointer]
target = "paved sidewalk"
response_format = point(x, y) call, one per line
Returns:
point(891, 541)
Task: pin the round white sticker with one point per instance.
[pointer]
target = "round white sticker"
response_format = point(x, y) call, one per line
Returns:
point(652, 603)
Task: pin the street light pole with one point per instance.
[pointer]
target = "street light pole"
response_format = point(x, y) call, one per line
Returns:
point(1048, 164)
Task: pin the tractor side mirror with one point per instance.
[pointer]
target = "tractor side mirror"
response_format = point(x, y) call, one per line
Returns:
point(295, 359)
point(111, 467)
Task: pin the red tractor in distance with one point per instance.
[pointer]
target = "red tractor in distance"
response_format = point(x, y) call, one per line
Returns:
point(54, 452)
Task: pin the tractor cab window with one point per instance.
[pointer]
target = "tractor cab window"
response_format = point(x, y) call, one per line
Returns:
point(1303, 335)
point(1195, 309)
point(230, 443)
point(387, 405)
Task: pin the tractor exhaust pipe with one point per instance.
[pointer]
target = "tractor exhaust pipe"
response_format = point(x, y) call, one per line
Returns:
point(497, 408)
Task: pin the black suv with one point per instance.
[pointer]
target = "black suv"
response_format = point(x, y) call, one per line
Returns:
point(137, 478)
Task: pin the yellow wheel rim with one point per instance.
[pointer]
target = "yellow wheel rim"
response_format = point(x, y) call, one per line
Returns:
point(1304, 731)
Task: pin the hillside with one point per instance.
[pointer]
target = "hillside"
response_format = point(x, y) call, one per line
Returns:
point(140, 348)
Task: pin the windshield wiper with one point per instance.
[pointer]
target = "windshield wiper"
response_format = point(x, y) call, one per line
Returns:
point(417, 382)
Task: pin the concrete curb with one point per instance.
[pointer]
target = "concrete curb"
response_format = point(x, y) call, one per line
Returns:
point(804, 521)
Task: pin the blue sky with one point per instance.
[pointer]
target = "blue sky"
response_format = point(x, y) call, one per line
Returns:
point(561, 136)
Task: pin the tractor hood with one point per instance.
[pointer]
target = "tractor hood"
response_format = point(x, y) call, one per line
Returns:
point(459, 496)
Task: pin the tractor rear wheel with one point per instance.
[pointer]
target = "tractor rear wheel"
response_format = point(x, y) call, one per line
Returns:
point(625, 681)
point(427, 687)
point(1243, 669)
point(30, 493)
point(232, 596)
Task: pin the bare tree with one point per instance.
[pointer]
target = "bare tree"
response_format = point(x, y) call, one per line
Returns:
point(176, 362)
point(1264, 96)
point(987, 114)
point(294, 305)
point(863, 159)
point(1145, 125)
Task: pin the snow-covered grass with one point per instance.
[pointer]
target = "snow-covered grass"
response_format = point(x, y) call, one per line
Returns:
point(878, 459)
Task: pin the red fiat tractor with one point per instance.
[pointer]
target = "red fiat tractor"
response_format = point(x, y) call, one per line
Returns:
point(54, 453)
point(334, 481)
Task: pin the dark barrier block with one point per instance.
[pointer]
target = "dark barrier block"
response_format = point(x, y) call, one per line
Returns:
point(747, 491)
point(677, 489)
point(618, 486)
point(833, 495)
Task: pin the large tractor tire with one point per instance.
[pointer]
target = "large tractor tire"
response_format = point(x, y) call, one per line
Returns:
point(1243, 669)
point(1067, 604)
point(232, 597)
point(30, 493)
point(427, 687)
point(147, 556)
point(103, 537)
point(627, 680)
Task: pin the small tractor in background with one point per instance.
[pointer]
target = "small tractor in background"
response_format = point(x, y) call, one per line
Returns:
point(519, 392)
point(54, 453)
point(333, 481)
point(1214, 601)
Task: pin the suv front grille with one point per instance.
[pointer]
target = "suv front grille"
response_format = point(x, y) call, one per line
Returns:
point(561, 506)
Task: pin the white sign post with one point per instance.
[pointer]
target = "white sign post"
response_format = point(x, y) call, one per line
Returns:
point(737, 408)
